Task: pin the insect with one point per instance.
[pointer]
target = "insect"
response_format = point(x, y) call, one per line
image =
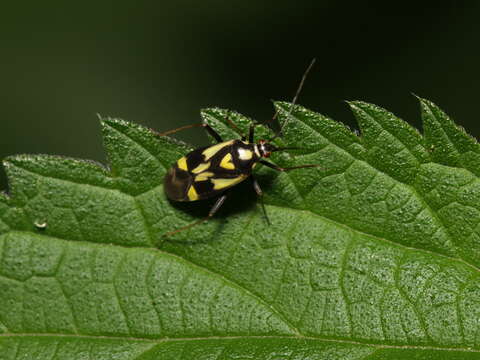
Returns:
point(210, 171)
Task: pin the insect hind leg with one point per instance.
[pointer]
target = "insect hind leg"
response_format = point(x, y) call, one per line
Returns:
point(212, 212)
point(207, 127)
point(259, 192)
point(278, 168)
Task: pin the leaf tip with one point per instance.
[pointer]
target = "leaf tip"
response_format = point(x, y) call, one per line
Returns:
point(6, 164)
point(425, 105)
point(12, 160)
point(211, 111)
point(281, 105)
point(363, 105)
point(421, 99)
point(117, 124)
point(285, 107)
point(108, 121)
point(353, 104)
point(416, 96)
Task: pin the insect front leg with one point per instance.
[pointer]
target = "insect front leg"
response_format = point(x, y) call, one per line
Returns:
point(278, 168)
point(259, 192)
point(212, 212)
point(207, 127)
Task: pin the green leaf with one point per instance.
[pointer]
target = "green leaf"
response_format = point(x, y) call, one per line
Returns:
point(373, 255)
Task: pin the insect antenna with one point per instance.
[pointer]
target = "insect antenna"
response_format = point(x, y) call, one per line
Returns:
point(299, 89)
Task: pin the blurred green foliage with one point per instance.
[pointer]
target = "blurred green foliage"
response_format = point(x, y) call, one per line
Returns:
point(158, 63)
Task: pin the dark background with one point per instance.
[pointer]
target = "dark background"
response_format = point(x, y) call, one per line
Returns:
point(159, 63)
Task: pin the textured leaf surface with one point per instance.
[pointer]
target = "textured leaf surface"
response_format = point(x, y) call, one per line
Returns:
point(375, 255)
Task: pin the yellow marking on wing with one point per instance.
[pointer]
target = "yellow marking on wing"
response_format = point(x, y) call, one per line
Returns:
point(212, 150)
point(227, 163)
point(204, 176)
point(244, 154)
point(182, 163)
point(192, 194)
point(219, 184)
point(201, 167)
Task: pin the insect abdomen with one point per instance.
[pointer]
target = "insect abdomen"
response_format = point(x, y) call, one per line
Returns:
point(177, 184)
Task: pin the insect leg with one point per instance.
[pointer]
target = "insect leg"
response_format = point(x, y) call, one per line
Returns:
point(259, 192)
point(232, 124)
point(244, 137)
point(278, 168)
point(213, 133)
point(212, 212)
point(207, 127)
point(251, 132)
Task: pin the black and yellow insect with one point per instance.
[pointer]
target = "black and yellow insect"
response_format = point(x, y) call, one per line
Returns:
point(212, 170)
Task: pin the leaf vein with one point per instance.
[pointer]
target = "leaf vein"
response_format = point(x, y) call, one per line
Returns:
point(210, 338)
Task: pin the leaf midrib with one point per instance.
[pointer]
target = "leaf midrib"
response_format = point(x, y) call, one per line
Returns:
point(239, 337)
